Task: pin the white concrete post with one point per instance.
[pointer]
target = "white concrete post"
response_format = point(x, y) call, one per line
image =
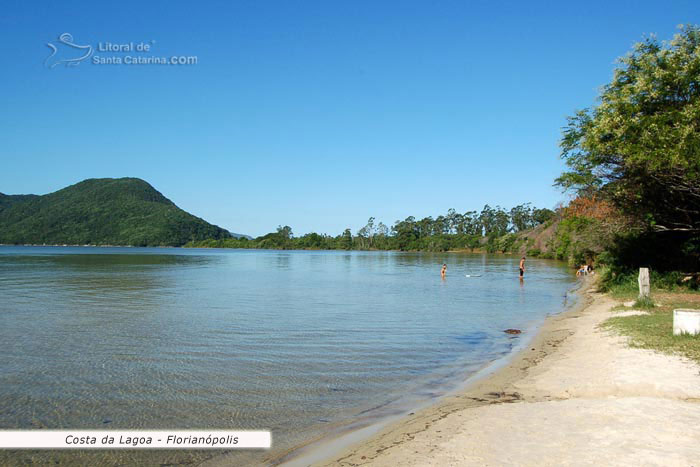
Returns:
point(644, 285)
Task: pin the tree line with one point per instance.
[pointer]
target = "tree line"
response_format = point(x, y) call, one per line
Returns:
point(453, 230)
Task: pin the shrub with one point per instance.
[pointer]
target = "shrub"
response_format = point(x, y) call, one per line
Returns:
point(534, 252)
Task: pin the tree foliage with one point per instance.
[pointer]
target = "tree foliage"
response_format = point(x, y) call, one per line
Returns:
point(640, 147)
point(634, 161)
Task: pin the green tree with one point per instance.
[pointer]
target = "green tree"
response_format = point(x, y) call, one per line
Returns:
point(405, 233)
point(365, 235)
point(285, 233)
point(640, 147)
point(495, 221)
point(540, 216)
point(487, 219)
point(521, 217)
point(471, 224)
point(453, 219)
point(346, 240)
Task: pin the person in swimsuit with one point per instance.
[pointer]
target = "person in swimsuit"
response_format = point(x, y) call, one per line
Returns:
point(443, 271)
point(522, 267)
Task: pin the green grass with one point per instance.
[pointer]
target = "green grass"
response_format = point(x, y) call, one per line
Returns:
point(644, 303)
point(625, 286)
point(654, 330)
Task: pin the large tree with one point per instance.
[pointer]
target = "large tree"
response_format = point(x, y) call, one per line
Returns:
point(640, 146)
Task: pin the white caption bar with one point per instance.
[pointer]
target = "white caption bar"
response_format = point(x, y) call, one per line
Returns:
point(83, 439)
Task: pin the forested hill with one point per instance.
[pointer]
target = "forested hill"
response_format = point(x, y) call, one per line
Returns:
point(104, 211)
point(7, 200)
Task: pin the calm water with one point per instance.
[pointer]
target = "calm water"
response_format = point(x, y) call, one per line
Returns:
point(300, 343)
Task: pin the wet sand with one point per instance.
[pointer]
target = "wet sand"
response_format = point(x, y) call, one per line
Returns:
point(576, 395)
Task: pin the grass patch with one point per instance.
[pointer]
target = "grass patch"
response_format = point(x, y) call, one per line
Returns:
point(645, 303)
point(654, 330)
point(624, 286)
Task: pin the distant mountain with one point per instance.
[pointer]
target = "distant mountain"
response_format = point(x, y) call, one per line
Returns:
point(237, 235)
point(101, 211)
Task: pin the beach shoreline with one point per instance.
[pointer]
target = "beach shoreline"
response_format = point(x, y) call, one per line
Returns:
point(576, 394)
point(345, 433)
point(491, 376)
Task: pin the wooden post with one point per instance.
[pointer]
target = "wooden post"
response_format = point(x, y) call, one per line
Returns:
point(644, 286)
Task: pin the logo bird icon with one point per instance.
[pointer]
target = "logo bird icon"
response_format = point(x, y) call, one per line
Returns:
point(65, 43)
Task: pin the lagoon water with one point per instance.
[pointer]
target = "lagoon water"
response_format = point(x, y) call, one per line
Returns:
point(302, 343)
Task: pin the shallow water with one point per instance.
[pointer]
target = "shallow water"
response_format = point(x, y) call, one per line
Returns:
point(300, 343)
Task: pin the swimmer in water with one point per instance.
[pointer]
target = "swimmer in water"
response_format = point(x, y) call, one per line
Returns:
point(443, 271)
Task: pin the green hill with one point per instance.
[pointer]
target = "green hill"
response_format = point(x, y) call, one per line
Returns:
point(8, 200)
point(104, 211)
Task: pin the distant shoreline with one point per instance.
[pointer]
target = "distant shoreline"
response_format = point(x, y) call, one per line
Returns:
point(459, 250)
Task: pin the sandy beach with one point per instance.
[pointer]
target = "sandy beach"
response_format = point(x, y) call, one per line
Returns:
point(577, 395)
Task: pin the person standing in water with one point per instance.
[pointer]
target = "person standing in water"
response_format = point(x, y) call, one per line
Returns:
point(522, 267)
point(443, 271)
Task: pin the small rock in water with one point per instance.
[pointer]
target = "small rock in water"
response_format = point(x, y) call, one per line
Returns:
point(512, 331)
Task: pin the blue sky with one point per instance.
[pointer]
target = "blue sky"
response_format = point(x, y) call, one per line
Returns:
point(312, 114)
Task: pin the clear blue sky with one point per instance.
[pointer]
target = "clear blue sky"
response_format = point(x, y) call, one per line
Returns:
point(314, 114)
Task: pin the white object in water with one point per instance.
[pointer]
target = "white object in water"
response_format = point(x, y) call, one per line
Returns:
point(472, 275)
point(686, 321)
